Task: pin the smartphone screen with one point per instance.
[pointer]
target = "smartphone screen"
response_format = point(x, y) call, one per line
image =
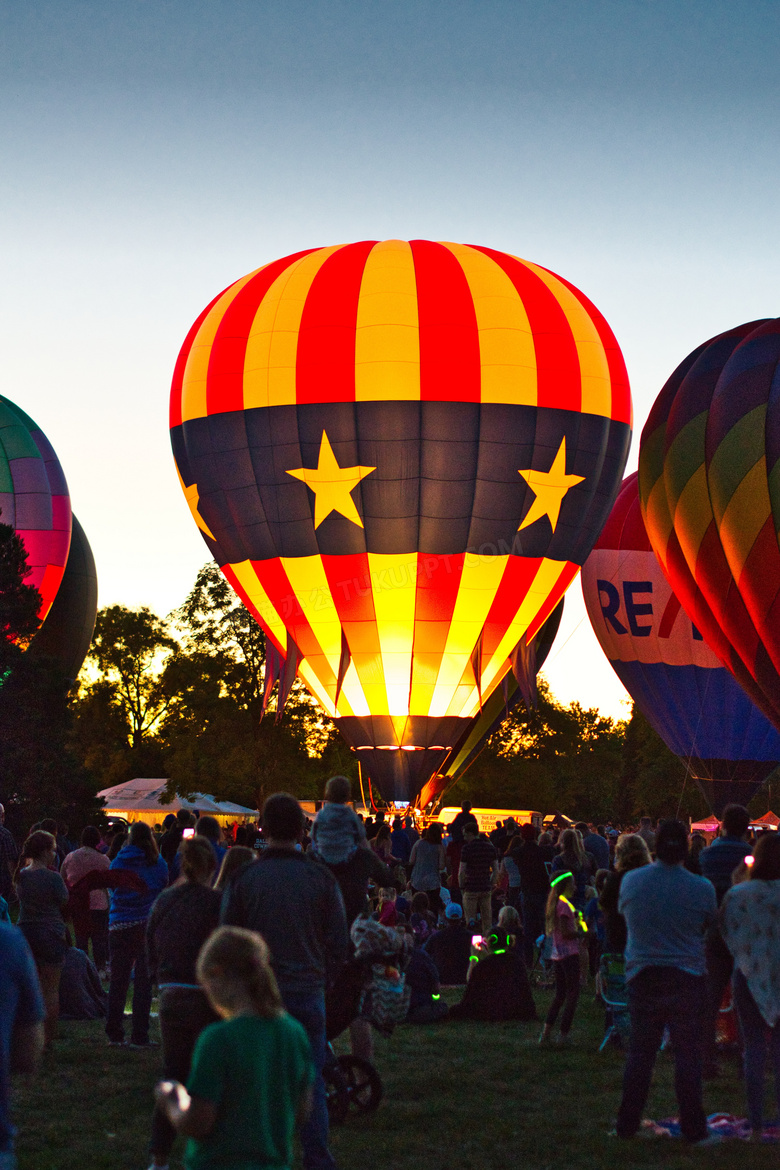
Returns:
point(477, 940)
point(750, 861)
point(188, 833)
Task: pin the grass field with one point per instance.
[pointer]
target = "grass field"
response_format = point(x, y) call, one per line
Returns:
point(457, 1097)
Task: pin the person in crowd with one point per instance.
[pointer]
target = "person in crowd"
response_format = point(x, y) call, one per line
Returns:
point(573, 859)
point(118, 842)
point(717, 864)
point(410, 830)
point(295, 903)
point(696, 845)
point(547, 846)
point(631, 852)
point(509, 872)
point(498, 987)
point(75, 866)
point(534, 888)
point(172, 837)
point(450, 947)
point(180, 922)
point(42, 895)
point(210, 828)
point(382, 847)
point(460, 820)
point(22, 1014)
point(252, 1072)
point(421, 919)
point(81, 993)
point(386, 911)
point(9, 856)
point(127, 918)
point(596, 844)
point(645, 831)
point(400, 842)
point(595, 922)
point(565, 931)
point(428, 860)
point(337, 831)
point(668, 912)
point(476, 876)
point(498, 838)
point(422, 978)
point(232, 863)
point(750, 921)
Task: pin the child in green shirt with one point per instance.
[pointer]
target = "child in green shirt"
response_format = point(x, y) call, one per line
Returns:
point(251, 1075)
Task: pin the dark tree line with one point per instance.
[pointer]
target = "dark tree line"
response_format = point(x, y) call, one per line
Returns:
point(181, 698)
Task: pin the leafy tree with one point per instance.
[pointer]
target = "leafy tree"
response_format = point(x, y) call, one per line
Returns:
point(19, 603)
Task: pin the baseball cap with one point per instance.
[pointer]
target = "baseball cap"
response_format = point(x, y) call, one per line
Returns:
point(453, 911)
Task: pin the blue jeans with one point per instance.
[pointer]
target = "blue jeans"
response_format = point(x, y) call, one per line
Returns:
point(308, 1008)
point(660, 997)
point(755, 1035)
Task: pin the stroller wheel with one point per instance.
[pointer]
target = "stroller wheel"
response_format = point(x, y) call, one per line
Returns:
point(337, 1093)
point(364, 1085)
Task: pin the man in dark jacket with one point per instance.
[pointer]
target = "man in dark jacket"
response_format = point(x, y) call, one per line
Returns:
point(534, 888)
point(296, 904)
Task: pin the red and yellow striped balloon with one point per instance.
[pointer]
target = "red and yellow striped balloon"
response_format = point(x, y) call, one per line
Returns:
point(400, 454)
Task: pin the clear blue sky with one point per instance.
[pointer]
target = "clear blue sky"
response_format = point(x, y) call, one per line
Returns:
point(152, 152)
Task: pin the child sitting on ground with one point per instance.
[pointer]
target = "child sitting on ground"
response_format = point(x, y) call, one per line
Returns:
point(337, 831)
point(251, 1074)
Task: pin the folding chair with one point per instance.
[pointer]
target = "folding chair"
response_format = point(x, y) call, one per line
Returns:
point(611, 986)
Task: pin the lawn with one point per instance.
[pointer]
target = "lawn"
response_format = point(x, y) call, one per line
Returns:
point(457, 1097)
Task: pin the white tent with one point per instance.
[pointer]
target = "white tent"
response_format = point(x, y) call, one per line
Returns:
point(142, 800)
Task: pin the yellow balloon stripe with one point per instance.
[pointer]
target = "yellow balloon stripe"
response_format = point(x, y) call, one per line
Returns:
point(272, 346)
point(312, 592)
point(247, 577)
point(479, 581)
point(308, 674)
point(193, 391)
point(387, 338)
point(506, 345)
point(594, 368)
point(394, 586)
point(547, 576)
point(744, 517)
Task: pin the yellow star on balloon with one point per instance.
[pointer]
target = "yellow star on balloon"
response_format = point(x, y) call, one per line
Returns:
point(332, 485)
point(550, 487)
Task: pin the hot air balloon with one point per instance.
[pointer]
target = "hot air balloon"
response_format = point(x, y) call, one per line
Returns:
point(34, 499)
point(517, 685)
point(66, 634)
point(675, 679)
point(400, 454)
point(711, 503)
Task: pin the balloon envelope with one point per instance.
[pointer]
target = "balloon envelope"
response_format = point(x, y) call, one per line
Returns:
point(675, 679)
point(34, 499)
point(66, 634)
point(711, 500)
point(400, 454)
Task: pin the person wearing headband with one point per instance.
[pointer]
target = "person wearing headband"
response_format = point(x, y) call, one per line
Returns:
point(565, 927)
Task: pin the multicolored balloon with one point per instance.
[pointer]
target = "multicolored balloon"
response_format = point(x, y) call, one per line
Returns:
point(66, 634)
point(400, 454)
point(708, 485)
point(34, 499)
point(675, 679)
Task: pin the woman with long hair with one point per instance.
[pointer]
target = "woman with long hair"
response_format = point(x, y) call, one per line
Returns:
point(42, 894)
point(382, 846)
point(750, 925)
point(181, 920)
point(631, 852)
point(127, 918)
point(573, 859)
point(563, 927)
point(233, 862)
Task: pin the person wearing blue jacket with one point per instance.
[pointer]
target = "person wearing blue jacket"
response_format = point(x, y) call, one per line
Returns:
point(127, 917)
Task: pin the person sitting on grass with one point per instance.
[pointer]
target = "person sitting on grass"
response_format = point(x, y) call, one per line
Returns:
point(425, 1004)
point(564, 928)
point(498, 987)
point(450, 947)
point(252, 1073)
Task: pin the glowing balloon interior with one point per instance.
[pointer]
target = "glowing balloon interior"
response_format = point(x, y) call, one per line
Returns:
point(400, 454)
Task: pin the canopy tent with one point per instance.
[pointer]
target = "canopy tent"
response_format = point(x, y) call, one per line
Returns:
point(557, 820)
point(769, 818)
point(710, 825)
point(144, 800)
